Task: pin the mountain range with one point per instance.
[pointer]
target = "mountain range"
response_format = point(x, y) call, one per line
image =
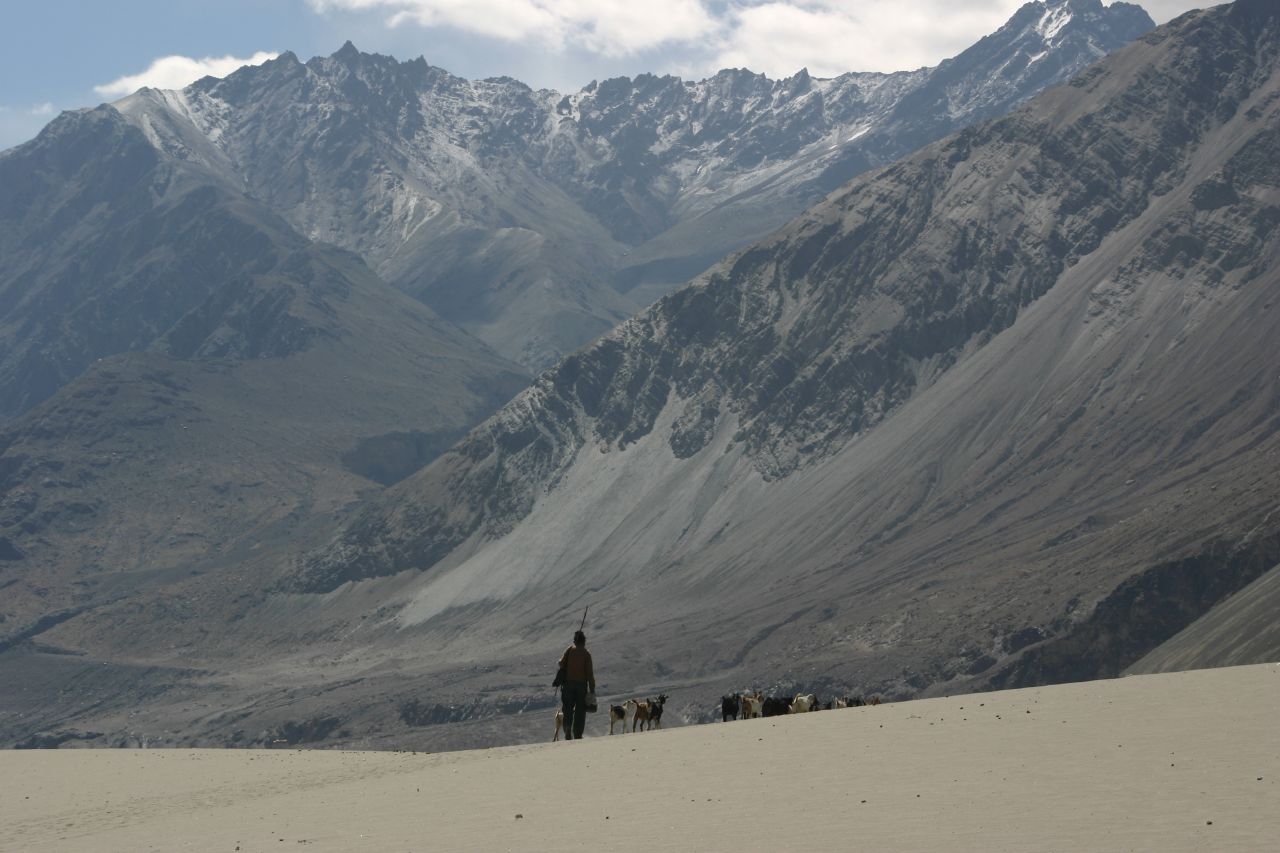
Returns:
point(999, 412)
point(539, 220)
point(992, 378)
point(291, 226)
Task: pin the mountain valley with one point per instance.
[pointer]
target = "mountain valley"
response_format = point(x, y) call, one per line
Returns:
point(972, 404)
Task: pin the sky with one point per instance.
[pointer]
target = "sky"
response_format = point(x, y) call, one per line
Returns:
point(66, 54)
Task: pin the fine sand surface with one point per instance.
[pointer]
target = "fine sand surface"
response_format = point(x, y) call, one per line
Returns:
point(1187, 761)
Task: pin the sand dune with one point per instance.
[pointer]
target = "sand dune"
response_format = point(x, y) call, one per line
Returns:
point(1188, 761)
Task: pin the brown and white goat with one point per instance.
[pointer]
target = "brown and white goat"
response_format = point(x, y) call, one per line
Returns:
point(617, 714)
point(639, 712)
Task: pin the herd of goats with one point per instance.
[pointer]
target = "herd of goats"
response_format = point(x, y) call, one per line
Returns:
point(749, 705)
point(647, 713)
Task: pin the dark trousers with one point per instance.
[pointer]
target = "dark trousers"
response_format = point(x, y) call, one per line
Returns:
point(573, 701)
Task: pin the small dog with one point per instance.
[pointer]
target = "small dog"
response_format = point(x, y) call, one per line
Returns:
point(559, 726)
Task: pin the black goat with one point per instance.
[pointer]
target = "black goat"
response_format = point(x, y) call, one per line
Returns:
point(655, 710)
point(730, 706)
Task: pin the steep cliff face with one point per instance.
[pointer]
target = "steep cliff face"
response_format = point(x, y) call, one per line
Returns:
point(539, 220)
point(921, 431)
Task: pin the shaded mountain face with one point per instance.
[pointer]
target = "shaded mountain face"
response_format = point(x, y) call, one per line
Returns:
point(538, 220)
point(1240, 629)
point(152, 466)
point(1005, 412)
point(112, 247)
point(188, 376)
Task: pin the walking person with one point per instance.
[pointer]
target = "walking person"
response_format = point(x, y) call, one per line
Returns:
point(578, 679)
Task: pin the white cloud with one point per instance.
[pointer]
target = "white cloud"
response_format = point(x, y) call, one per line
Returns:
point(1162, 11)
point(175, 72)
point(696, 37)
point(605, 27)
point(777, 37)
point(45, 109)
point(830, 37)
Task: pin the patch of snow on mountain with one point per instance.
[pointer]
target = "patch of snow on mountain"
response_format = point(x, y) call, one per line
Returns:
point(210, 114)
point(149, 131)
point(1053, 21)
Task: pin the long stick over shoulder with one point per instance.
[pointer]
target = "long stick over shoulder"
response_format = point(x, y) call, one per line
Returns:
point(584, 618)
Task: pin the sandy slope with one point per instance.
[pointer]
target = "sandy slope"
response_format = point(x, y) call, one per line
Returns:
point(1189, 761)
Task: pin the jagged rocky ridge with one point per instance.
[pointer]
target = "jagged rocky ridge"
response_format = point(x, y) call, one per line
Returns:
point(538, 220)
point(943, 426)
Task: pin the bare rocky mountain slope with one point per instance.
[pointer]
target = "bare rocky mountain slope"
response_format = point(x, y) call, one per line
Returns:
point(1003, 412)
point(539, 220)
point(112, 247)
point(192, 376)
point(193, 225)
